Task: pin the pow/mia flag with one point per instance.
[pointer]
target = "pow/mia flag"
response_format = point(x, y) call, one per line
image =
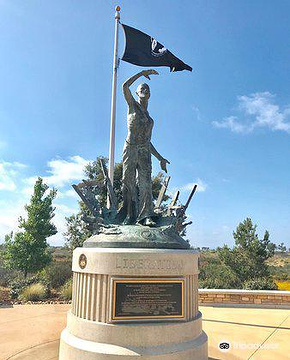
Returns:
point(143, 50)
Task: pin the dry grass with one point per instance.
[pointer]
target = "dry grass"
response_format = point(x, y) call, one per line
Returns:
point(279, 260)
point(4, 293)
point(66, 290)
point(33, 292)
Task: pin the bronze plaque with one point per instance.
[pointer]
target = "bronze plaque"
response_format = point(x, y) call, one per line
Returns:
point(151, 299)
point(82, 261)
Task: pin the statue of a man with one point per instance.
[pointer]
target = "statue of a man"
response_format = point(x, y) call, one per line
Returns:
point(137, 186)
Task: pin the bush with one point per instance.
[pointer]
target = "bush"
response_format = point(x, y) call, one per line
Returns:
point(66, 290)
point(280, 272)
point(4, 294)
point(33, 292)
point(218, 276)
point(56, 274)
point(248, 257)
point(6, 276)
point(260, 284)
point(19, 284)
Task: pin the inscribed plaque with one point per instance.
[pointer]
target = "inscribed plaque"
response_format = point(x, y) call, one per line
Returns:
point(148, 299)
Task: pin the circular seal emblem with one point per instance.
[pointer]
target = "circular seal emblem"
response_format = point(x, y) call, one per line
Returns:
point(82, 261)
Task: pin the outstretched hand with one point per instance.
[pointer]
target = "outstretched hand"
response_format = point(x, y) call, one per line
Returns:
point(146, 73)
point(163, 163)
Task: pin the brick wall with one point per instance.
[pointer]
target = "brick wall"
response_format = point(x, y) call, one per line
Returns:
point(244, 297)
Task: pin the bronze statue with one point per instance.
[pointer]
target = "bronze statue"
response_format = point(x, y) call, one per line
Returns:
point(137, 186)
point(159, 226)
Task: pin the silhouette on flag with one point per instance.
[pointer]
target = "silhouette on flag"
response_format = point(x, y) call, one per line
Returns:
point(143, 50)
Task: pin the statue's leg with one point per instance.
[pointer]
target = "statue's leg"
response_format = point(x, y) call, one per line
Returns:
point(129, 184)
point(145, 184)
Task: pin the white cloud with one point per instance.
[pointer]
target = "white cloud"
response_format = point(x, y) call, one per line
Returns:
point(11, 206)
point(232, 124)
point(27, 191)
point(63, 172)
point(67, 193)
point(65, 210)
point(10, 212)
point(8, 174)
point(18, 189)
point(62, 211)
point(201, 186)
point(30, 181)
point(257, 110)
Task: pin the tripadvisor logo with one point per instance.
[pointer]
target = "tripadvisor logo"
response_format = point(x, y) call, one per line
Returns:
point(224, 346)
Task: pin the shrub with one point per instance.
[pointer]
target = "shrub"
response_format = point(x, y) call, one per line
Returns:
point(19, 284)
point(33, 292)
point(4, 294)
point(280, 272)
point(218, 276)
point(66, 290)
point(56, 274)
point(6, 276)
point(248, 257)
point(260, 284)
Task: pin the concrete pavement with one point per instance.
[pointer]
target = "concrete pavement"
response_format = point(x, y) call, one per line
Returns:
point(32, 332)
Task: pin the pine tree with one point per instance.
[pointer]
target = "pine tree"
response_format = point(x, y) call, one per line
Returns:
point(248, 257)
point(281, 247)
point(28, 251)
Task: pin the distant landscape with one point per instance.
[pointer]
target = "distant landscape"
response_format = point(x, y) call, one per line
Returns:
point(279, 266)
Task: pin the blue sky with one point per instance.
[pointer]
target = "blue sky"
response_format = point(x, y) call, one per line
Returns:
point(225, 126)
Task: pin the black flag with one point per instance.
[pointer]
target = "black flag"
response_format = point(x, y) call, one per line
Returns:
point(143, 50)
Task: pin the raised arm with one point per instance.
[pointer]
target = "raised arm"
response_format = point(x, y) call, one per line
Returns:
point(126, 91)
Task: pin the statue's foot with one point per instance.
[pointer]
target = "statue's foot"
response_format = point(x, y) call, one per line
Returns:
point(149, 222)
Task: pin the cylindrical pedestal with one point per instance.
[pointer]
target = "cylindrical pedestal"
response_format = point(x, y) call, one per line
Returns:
point(114, 314)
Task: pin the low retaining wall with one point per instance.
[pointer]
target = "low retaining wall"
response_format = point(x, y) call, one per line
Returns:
point(244, 297)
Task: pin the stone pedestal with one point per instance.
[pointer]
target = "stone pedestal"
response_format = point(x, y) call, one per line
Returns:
point(103, 325)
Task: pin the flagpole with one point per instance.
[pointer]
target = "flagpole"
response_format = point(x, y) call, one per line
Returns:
point(113, 102)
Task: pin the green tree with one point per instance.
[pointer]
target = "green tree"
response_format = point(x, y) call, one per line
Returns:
point(77, 231)
point(281, 247)
point(216, 275)
point(248, 257)
point(27, 251)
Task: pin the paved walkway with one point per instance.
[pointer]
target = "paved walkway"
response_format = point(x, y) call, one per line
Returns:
point(31, 332)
